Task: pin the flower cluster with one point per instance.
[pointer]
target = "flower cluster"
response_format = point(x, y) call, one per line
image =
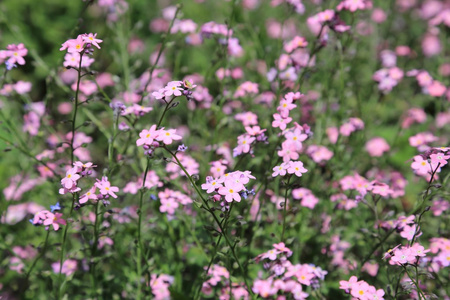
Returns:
point(190, 164)
point(296, 42)
point(160, 286)
point(430, 162)
point(402, 255)
point(319, 154)
point(414, 115)
point(360, 289)
point(69, 183)
point(354, 5)
point(150, 139)
point(297, 5)
point(363, 186)
point(245, 141)
point(306, 197)
point(289, 167)
point(377, 146)
point(246, 88)
point(21, 253)
point(175, 89)
point(78, 49)
point(48, 218)
point(285, 278)
point(441, 247)
point(152, 180)
point(14, 54)
point(429, 86)
point(388, 78)
point(226, 37)
point(170, 200)
point(68, 267)
point(220, 277)
point(229, 187)
point(404, 225)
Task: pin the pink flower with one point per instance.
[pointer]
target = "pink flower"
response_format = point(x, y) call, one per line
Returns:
point(280, 122)
point(297, 42)
point(436, 89)
point(439, 158)
point(319, 153)
point(168, 205)
point(333, 134)
point(408, 232)
point(378, 15)
point(167, 136)
point(159, 94)
point(353, 5)
point(173, 88)
point(91, 39)
point(89, 195)
point(402, 256)
point(304, 276)
point(360, 290)
point(296, 137)
point(105, 187)
point(68, 268)
point(230, 191)
point(70, 181)
point(54, 219)
point(419, 250)
point(271, 254)
point(247, 118)
point(296, 168)
point(76, 45)
point(211, 185)
point(16, 54)
point(421, 166)
point(244, 142)
point(280, 170)
point(347, 285)
point(255, 130)
point(148, 136)
point(288, 151)
point(160, 286)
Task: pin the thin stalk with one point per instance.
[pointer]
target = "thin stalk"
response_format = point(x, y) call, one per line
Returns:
point(416, 283)
point(140, 248)
point(285, 208)
point(205, 202)
point(74, 198)
point(75, 195)
point(75, 107)
point(161, 49)
point(94, 247)
point(39, 257)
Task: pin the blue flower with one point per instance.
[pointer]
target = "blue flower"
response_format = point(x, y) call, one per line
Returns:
point(57, 206)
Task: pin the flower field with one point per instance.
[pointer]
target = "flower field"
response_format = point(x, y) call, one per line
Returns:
point(224, 149)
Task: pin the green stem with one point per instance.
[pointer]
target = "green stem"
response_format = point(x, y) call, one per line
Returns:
point(161, 49)
point(416, 283)
point(75, 107)
point(222, 231)
point(111, 144)
point(94, 248)
point(74, 198)
point(285, 209)
point(140, 248)
point(39, 257)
